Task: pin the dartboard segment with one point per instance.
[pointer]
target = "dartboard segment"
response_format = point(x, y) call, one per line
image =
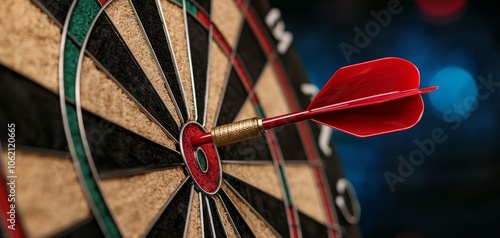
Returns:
point(138, 201)
point(246, 220)
point(218, 67)
point(174, 215)
point(194, 226)
point(260, 176)
point(228, 18)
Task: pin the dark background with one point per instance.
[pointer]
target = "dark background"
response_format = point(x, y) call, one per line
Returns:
point(453, 187)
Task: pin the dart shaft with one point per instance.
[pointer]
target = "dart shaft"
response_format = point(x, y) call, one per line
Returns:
point(247, 129)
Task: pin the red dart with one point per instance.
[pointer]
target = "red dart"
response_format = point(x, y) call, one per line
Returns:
point(366, 99)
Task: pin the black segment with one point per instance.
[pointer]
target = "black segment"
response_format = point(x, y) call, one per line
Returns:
point(34, 110)
point(250, 51)
point(87, 228)
point(117, 151)
point(199, 45)
point(216, 219)
point(57, 9)
point(256, 149)
point(151, 21)
point(240, 224)
point(270, 208)
point(311, 228)
point(110, 50)
point(206, 219)
point(205, 4)
point(233, 99)
point(291, 149)
point(173, 219)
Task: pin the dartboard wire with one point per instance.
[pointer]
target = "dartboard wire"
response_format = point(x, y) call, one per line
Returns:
point(174, 60)
point(210, 35)
point(95, 198)
point(211, 225)
point(165, 81)
point(304, 130)
point(200, 198)
point(191, 75)
point(249, 162)
point(167, 203)
point(214, 208)
point(189, 211)
point(250, 207)
point(230, 218)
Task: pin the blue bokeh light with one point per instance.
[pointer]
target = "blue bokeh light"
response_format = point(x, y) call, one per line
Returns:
point(457, 92)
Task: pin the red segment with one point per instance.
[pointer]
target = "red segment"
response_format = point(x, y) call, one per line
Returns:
point(102, 2)
point(210, 180)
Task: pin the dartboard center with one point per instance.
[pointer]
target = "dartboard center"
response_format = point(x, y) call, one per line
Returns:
point(202, 162)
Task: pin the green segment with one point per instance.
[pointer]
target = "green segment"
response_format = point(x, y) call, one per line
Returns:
point(190, 7)
point(81, 19)
point(202, 160)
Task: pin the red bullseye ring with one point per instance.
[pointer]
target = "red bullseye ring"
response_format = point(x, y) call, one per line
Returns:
point(208, 178)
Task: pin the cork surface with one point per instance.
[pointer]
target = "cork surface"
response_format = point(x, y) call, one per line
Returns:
point(228, 226)
point(261, 176)
point(135, 201)
point(305, 190)
point(107, 99)
point(256, 223)
point(270, 93)
point(218, 67)
point(123, 17)
point(29, 43)
point(194, 222)
point(45, 186)
point(174, 17)
point(228, 18)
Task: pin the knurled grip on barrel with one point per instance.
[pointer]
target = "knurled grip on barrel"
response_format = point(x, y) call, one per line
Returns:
point(237, 131)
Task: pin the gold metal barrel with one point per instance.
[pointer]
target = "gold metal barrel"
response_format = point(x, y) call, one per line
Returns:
point(237, 131)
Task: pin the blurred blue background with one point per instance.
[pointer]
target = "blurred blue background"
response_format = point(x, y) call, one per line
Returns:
point(442, 177)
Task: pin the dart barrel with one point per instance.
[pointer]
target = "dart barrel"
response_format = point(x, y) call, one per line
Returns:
point(237, 131)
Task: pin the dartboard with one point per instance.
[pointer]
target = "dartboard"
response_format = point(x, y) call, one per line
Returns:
point(98, 97)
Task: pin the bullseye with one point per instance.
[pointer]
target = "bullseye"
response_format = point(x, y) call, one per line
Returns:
point(202, 162)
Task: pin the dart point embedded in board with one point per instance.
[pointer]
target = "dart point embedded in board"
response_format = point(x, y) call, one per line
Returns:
point(366, 99)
